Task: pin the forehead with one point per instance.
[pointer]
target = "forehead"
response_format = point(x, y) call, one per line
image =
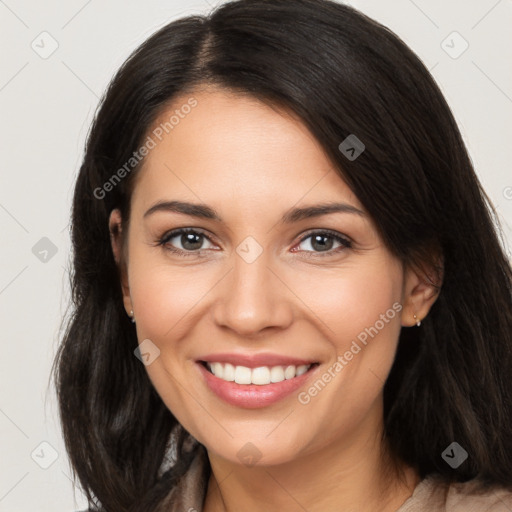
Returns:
point(230, 146)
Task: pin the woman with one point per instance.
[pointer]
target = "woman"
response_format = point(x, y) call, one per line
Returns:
point(289, 290)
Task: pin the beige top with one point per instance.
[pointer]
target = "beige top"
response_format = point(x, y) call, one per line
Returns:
point(430, 495)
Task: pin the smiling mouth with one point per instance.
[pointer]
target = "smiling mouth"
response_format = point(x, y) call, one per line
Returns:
point(262, 375)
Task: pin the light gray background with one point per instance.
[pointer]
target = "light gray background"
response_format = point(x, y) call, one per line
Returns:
point(46, 107)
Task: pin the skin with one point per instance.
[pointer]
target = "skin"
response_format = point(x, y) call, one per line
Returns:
point(252, 163)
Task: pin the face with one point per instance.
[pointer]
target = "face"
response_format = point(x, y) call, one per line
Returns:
point(260, 280)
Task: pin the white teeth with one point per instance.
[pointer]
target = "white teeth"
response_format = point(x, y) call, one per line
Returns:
point(217, 369)
point(242, 375)
point(261, 376)
point(289, 373)
point(302, 369)
point(229, 372)
point(277, 374)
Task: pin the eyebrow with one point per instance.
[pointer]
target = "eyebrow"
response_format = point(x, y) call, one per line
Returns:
point(204, 211)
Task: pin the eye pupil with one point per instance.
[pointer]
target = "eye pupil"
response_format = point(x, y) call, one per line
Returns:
point(320, 239)
point(191, 238)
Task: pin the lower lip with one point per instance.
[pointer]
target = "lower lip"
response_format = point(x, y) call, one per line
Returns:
point(253, 396)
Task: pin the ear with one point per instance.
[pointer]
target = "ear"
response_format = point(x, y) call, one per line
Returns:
point(115, 226)
point(421, 289)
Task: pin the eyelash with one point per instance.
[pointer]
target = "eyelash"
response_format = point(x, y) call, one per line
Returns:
point(345, 242)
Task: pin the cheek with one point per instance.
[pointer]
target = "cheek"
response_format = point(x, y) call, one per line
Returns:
point(358, 312)
point(165, 298)
point(352, 298)
point(166, 301)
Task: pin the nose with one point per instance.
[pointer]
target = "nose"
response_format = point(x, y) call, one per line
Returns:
point(252, 297)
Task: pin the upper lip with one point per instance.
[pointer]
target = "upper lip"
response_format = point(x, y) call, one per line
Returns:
point(255, 360)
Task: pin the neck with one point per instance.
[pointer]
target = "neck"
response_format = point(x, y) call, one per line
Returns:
point(354, 473)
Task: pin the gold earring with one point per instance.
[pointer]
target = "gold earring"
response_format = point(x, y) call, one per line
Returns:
point(418, 322)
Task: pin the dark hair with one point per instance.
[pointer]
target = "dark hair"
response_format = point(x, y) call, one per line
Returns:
point(342, 73)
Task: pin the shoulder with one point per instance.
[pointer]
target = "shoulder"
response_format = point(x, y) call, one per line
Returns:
point(190, 490)
point(469, 496)
point(432, 494)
